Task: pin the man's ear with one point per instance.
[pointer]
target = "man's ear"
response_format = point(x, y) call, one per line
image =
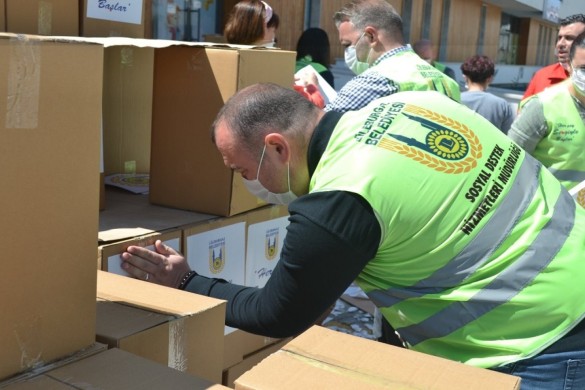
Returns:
point(371, 34)
point(279, 145)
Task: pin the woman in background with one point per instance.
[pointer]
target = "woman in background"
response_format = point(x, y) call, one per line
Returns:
point(478, 73)
point(252, 22)
point(313, 49)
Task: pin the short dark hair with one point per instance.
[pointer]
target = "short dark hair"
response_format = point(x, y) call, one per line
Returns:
point(314, 42)
point(376, 13)
point(261, 108)
point(478, 68)
point(577, 18)
point(579, 42)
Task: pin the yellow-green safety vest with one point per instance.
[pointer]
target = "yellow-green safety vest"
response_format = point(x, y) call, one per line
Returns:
point(561, 150)
point(411, 73)
point(480, 259)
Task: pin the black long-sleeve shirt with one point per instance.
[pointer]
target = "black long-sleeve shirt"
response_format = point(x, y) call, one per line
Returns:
point(331, 237)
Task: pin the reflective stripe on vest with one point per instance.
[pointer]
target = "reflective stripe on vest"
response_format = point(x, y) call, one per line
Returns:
point(462, 266)
point(525, 269)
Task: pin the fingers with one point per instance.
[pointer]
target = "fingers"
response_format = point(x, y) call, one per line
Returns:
point(164, 249)
point(142, 263)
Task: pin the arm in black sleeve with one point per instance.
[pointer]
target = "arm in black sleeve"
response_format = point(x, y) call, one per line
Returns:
point(330, 239)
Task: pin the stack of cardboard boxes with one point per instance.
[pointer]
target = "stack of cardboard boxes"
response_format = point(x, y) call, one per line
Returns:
point(66, 321)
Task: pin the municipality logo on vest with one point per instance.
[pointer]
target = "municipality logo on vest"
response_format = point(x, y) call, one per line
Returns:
point(444, 144)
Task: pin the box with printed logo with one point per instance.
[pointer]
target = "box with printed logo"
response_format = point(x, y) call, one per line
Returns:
point(265, 232)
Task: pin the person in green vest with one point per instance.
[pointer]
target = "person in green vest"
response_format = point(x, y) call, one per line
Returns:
point(469, 247)
point(424, 48)
point(313, 49)
point(551, 124)
point(372, 34)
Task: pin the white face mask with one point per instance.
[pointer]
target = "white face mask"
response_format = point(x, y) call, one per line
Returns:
point(578, 78)
point(256, 188)
point(357, 67)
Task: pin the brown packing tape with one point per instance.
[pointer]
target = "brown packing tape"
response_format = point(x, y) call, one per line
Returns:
point(24, 79)
point(45, 19)
point(346, 372)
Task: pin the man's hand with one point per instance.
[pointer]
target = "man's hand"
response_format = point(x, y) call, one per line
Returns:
point(164, 265)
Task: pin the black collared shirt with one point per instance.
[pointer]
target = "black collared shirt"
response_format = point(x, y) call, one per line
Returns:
point(331, 237)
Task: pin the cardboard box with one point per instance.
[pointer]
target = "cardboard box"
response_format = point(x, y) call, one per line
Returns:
point(217, 248)
point(186, 334)
point(321, 358)
point(127, 103)
point(232, 373)
point(115, 369)
point(50, 156)
point(132, 19)
point(239, 344)
point(265, 232)
point(191, 84)
point(2, 15)
point(43, 17)
point(109, 254)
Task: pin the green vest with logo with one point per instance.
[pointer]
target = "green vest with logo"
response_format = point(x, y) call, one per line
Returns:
point(561, 150)
point(411, 73)
point(477, 260)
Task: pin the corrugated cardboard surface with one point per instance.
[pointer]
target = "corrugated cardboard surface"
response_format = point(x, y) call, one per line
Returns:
point(108, 252)
point(49, 167)
point(43, 17)
point(130, 215)
point(239, 344)
point(128, 73)
point(322, 357)
point(2, 15)
point(193, 340)
point(232, 373)
point(91, 27)
point(191, 85)
point(115, 369)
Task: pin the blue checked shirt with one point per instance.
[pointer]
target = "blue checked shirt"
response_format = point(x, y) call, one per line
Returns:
point(364, 88)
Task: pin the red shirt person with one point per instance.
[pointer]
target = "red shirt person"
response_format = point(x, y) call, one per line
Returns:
point(570, 27)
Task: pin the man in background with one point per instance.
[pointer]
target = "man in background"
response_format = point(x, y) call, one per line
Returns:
point(570, 27)
point(424, 49)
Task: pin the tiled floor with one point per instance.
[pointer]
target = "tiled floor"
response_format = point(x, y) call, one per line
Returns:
point(348, 318)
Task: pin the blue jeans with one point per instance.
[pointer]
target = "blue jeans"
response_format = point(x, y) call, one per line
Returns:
point(559, 367)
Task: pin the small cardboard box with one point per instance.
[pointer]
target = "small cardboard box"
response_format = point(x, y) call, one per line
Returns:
point(115, 369)
point(109, 254)
point(265, 232)
point(191, 84)
point(170, 326)
point(43, 17)
point(131, 18)
point(324, 358)
point(50, 170)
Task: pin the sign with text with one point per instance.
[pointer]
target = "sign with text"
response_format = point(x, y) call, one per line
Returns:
point(125, 11)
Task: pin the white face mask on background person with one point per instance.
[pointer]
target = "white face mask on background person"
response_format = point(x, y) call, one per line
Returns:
point(256, 188)
point(356, 66)
point(578, 78)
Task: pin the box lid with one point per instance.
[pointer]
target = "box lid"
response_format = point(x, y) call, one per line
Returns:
point(323, 357)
